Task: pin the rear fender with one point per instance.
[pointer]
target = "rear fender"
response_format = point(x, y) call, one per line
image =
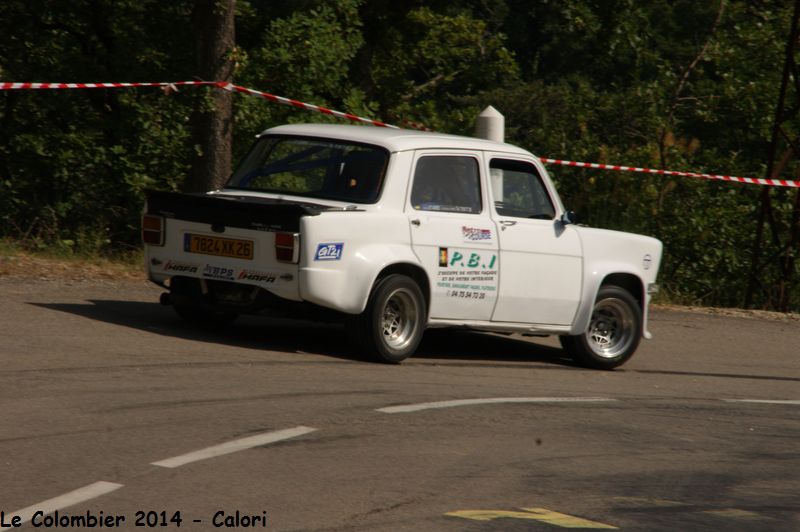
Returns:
point(347, 288)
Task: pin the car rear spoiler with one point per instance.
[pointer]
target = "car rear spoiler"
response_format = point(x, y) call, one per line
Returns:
point(219, 210)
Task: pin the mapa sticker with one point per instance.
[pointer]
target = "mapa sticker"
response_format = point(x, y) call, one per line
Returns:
point(329, 251)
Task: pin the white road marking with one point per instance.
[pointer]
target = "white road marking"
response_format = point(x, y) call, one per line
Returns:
point(234, 446)
point(68, 499)
point(492, 400)
point(764, 401)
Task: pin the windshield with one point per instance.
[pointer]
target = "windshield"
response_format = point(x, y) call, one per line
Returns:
point(325, 169)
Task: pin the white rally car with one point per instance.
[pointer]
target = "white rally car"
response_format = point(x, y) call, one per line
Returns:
point(397, 231)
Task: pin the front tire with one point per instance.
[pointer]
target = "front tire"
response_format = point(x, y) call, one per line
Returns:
point(391, 327)
point(614, 331)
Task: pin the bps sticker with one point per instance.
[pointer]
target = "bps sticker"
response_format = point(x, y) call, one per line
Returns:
point(443, 257)
point(329, 251)
point(215, 272)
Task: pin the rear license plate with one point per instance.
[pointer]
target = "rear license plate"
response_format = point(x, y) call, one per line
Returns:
point(220, 247)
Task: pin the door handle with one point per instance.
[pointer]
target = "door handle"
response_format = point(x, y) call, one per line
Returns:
point(415, 222)
point(508, 223)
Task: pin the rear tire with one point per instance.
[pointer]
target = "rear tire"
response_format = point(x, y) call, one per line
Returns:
point(613, 334)
point(391, 327)
point(187, 300)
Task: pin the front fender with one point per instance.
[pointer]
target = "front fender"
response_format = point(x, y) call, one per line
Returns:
point(632, 259)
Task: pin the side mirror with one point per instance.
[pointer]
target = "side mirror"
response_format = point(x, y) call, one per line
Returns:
point(568, 218)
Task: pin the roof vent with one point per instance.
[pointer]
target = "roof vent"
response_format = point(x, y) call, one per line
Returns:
point(491, 125)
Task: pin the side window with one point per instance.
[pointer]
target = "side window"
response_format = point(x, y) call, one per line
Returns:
point(519, 190)
point(447, 184)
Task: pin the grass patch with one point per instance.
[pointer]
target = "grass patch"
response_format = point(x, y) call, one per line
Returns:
point(20, 261)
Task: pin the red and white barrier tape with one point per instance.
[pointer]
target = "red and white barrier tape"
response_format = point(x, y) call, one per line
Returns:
point(302, 105)
point(5, 86)
point(219, 84)
point(750, 180)
point(324, 110)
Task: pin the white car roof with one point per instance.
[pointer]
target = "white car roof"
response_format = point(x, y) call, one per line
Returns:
point(393, 139)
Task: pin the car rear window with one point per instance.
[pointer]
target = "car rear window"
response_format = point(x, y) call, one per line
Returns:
point(317, 168)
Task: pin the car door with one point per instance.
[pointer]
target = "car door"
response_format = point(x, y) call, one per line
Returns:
point(540, 263)
point(453, 234)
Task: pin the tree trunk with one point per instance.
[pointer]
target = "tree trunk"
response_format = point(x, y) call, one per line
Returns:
point(212, 120)
point(781, 116)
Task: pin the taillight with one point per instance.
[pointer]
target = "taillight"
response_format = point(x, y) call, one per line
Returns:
point(287, 247)
point(153, 230)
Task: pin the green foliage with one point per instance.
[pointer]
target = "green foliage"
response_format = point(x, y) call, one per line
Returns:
point(427, 62)
point(75, 163)
point(308, 53)
point(304, 55)
point(670, 83)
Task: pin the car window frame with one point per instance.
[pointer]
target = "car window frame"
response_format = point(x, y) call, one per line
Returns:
point(480, 174)
point(539, 173)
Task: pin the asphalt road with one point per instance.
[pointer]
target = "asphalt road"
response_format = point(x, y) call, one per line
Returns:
point(110, 405)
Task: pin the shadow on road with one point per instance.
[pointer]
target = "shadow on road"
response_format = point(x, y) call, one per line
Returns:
point(457, 347)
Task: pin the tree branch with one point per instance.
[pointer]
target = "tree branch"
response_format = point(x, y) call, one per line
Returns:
point(676, 97)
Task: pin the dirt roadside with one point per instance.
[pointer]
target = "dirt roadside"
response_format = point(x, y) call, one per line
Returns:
point(24, 266)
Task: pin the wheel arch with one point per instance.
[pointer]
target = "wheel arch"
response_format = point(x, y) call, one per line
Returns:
point(611, 275)
point(627, 281)
point(415, 272)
